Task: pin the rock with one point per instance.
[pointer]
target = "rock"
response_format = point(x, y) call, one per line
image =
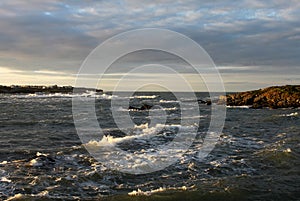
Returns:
point(272, 97)
point(208, 102)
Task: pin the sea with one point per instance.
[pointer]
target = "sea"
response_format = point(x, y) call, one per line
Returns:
point(42, 157)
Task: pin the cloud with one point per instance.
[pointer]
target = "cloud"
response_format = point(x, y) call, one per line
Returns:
point(10, 76)
point(47, 72)
point(54, 35)
point(44, 40)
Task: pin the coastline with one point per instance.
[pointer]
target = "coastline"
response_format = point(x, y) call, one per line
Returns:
point(31, 89)
point(287, 96)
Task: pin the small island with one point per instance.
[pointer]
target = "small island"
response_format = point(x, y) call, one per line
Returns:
point(272, 97)
point(31, 89)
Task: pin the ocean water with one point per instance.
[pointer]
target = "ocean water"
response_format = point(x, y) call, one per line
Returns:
point(257, 156)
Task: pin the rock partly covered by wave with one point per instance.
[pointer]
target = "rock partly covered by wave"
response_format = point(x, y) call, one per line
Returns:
point(272, 97)
point(28, 89)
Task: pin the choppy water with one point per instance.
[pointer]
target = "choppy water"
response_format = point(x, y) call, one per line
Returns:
point(41, 156)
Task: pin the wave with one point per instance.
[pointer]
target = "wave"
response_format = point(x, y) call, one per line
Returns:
point(195, 117)
point(87, 94)
point(155, 109)
point(293, 114)
point(241, 107)
point(140, 97)
point(139, 131)
point(168, 108)
point(4, 179)
point(139, 192)
point(169, 101)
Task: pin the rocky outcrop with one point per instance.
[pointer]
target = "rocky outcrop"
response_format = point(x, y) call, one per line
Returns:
point(272, 97)
point(27, 89)
point(206, 102)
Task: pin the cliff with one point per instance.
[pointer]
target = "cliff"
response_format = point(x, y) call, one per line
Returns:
point(272, 97)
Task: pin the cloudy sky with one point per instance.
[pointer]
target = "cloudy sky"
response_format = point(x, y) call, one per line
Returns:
point(253, 43)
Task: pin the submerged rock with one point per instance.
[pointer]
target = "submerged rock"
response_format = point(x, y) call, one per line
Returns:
point(272, 97)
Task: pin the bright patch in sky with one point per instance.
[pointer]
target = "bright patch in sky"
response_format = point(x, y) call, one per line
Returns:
point(262, 36)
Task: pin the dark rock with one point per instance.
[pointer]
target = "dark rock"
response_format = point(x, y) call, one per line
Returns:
point(201, 101)
point(272, 97)
point(99, 90)
point(207, 102)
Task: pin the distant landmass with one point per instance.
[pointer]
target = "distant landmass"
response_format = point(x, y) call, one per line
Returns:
point(31, 89)
point(272, 97)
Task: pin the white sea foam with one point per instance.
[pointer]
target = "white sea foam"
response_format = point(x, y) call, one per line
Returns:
point(139, 131)
point(161, 189)
point(194, 117)
point(242, 106)
point(142, 126)
point(154, 109)
point(41, 154)
point(35, 163)
point(3, 163)
point(144, 97)
point(171, 108)
point(293, 114)
point(169, 101)
point(4, 179)
point(141, 160)
point(16, 196)
point(87, 94)
point(43, 193)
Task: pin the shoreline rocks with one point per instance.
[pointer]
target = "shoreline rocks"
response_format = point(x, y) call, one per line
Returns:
point(271, 97)
point(30, 89)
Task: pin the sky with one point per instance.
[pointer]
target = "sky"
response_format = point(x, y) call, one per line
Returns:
point(254, 44)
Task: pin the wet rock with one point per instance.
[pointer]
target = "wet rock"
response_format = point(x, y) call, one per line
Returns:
point(206, 102)
point(272, 97)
